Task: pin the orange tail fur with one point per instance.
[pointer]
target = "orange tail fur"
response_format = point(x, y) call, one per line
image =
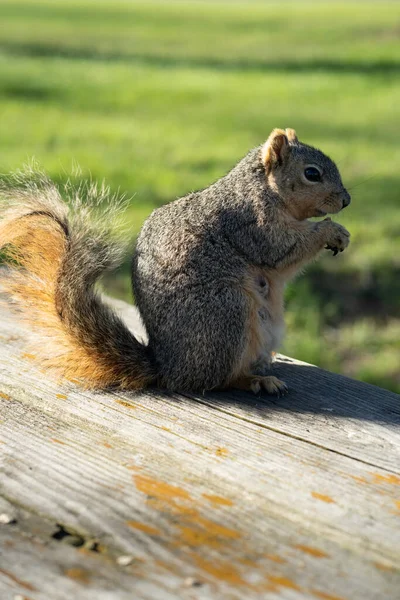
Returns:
point(54, 254)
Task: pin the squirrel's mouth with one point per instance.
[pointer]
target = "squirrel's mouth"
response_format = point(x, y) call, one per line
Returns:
point(320, 213)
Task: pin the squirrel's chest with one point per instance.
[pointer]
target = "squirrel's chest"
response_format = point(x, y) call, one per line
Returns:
point(265, 327)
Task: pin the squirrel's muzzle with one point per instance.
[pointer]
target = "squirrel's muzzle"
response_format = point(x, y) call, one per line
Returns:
point(346, 198)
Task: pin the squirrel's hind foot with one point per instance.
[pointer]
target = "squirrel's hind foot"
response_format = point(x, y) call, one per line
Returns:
point(255, 383)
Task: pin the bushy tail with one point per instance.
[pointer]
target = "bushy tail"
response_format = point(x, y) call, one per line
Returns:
point(55, 253)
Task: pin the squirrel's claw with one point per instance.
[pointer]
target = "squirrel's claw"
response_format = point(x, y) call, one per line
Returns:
point(274, 386)
point(334, 249)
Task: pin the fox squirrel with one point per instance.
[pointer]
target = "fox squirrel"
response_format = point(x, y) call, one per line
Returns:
point(208, 272)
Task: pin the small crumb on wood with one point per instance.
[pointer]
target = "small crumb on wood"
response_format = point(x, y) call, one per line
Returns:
point(192, 582)
point(7, 519)
point(124, 561)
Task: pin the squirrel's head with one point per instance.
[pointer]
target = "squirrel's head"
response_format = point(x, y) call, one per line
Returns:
point(307, 181)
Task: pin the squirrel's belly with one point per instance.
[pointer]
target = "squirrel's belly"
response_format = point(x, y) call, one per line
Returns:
point(265, 327)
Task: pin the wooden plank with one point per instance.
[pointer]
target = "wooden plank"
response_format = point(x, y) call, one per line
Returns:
point(348, 417)
point(330, 411)
point(238, 538)
point(192, 488)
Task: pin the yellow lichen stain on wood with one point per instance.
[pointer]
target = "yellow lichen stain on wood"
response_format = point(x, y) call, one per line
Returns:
point(218, 500)
point(160, 489)
point(61, 396)
point(322, 497)
point(165, 428)
point(248, 562)
point(78, 574)
point(397, 504)
point(383, 567)
point(380, 480)
point(281, 581)
point(196, 531)
point(217, 530)
point(195, 538)
point(221, 452)
point(57, 441)
point(107, 445)
point(125, 403)
point(390, 478)
point(20, 582)
point(180, 511)
point(359, 479)
point(221, 570)
point(312, 551)
point(192, 529)
point(275, 558)
point(326, 596)
point(143, 527)
point(27, 356)
point(5, 396)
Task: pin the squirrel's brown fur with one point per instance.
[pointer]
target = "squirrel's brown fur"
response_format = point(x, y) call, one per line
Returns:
point(209, 272)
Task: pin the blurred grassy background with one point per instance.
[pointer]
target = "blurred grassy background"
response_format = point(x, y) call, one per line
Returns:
point(160, 98)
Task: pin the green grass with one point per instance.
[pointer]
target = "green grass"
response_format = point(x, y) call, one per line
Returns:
point(160, 98)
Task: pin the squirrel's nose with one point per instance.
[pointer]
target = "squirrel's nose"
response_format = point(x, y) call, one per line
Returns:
point(346, 198)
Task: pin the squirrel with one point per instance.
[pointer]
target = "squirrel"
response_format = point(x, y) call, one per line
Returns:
point(208, 272)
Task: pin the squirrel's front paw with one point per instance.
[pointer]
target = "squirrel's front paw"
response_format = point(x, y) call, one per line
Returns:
point(338, 237)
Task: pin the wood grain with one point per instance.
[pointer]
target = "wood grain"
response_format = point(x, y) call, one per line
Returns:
point(221, 496)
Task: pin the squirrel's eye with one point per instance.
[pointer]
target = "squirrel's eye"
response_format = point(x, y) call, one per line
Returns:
point(312, 174)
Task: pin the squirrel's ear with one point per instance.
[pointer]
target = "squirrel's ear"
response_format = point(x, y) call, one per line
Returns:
point(292, 136)
point(275, 149)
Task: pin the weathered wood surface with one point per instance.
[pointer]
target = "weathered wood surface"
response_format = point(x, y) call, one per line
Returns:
point(225, 496)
